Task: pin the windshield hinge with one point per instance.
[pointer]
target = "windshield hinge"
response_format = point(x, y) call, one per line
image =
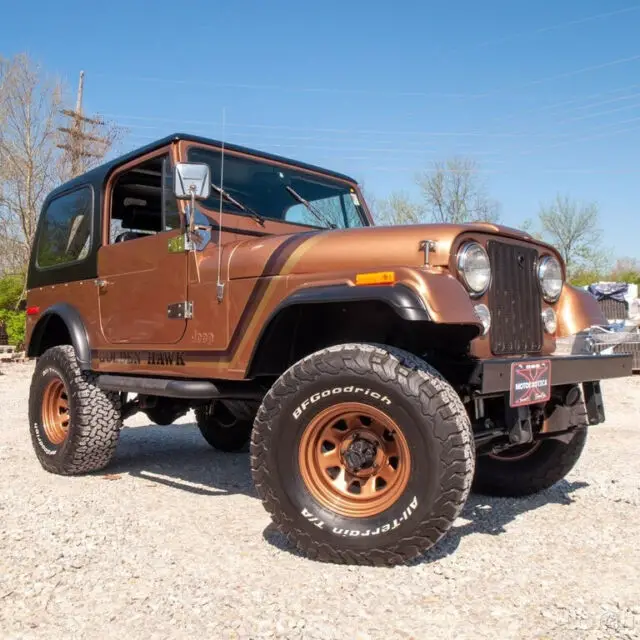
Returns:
point(428, 246)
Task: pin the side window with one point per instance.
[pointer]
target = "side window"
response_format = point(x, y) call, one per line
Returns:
point(142, 201)
point(65, 234)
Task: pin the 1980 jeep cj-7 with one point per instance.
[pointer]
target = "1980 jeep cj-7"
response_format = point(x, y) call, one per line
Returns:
point(377, 372)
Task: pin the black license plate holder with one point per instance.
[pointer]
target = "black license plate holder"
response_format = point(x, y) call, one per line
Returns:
point(530, 382)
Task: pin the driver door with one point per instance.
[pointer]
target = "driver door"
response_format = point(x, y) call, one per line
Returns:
point(142, 273)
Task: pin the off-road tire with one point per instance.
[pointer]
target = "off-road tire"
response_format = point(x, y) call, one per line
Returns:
point(95, 419)
point(221, 431)
point(546, 465)
point(433, 421)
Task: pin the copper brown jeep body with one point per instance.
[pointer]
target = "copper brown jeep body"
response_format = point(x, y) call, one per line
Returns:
point(171, 318)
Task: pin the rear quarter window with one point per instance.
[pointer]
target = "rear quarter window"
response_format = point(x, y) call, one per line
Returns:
point(65, 231)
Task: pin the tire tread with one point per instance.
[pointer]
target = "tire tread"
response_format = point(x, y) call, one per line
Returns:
point(418, 380)
point(97, 417)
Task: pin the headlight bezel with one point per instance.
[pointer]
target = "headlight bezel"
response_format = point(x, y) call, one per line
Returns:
point(541, 269)
point(462, 258)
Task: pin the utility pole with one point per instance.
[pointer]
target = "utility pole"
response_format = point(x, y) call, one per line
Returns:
point(78, 143)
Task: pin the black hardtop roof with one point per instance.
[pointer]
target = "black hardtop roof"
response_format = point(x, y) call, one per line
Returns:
point(99, 173)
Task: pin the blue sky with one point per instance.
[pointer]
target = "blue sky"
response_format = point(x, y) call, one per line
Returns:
point(545, 95)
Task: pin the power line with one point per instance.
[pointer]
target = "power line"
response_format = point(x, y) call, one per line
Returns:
point(348, 149)
point(599, 114)
point(386, 92)
point(556, 27)
point(562, 76)
point(272, 127)
point(564, 103)
point(600, 133)
point(354, 132)
point(278, 129)
point(483, 169)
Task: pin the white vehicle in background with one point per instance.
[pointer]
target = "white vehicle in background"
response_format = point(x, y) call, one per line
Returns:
point(621, 306)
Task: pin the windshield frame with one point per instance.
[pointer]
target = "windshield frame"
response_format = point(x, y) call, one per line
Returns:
point(362, 211)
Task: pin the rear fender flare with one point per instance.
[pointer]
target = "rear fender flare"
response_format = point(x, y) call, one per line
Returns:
point(75, 326)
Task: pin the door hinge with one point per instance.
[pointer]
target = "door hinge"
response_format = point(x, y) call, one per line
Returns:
point(180, 310)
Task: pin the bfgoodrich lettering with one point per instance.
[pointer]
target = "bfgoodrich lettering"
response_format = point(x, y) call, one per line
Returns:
point(337, 391)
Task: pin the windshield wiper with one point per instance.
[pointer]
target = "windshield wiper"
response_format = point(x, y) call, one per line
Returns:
point(318, 216)
point(242, 207)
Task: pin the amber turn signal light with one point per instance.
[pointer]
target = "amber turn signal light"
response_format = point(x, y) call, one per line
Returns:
point(377, 277)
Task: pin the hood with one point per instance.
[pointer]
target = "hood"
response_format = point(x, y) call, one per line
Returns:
point(347, 249)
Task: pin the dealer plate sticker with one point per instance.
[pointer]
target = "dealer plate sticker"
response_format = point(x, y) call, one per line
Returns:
point(530, 382)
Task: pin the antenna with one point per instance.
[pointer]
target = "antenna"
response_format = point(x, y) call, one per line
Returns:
point(220, 284)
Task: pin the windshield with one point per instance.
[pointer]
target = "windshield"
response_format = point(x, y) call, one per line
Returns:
point(267, 190)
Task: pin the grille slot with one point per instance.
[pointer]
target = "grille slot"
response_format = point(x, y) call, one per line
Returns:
point(514, 300)
point(614, 309)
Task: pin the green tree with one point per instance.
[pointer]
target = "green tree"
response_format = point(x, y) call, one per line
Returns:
point(13, 320)
point(626, 270)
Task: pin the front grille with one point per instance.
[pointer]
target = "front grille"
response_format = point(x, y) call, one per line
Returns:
point(514, 300)
point(614, 309)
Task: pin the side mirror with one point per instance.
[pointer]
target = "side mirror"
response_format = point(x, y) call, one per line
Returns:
point(192, 181)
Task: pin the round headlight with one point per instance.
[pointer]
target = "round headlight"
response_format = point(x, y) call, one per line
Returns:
point(550, 277)
point(474, 267)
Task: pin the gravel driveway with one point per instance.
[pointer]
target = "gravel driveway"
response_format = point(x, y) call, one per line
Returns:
point(171, 542)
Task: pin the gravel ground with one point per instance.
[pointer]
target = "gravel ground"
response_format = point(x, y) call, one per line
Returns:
point(171, 542)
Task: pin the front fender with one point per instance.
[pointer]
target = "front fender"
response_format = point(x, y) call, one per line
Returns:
point(445, 298)
point(577, 310)
point(416, 295)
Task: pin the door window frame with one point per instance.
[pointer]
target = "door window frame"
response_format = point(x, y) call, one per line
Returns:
point(170, 149)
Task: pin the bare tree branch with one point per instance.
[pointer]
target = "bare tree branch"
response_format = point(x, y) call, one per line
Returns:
point(572, 227)
point(453, 192)
point(398, 208)
point(31, 164)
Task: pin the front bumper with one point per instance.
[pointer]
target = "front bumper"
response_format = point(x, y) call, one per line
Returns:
point(494, 376)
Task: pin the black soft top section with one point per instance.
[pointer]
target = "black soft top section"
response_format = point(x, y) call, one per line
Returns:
point(98, 174)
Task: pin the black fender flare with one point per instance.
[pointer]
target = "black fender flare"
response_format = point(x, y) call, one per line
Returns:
point(405, 302)
point(401, 299)
point(75, 326)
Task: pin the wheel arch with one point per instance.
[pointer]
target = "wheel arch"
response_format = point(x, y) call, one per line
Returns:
point(61, 324)
point(316, 317)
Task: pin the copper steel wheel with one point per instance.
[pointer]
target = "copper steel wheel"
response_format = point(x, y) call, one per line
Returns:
point(55, 411)
point(354, 460)
point(71, 436)
point(362, 454)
